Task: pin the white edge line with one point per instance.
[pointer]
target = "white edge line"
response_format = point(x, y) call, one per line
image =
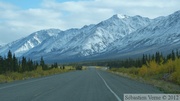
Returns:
point(109, 87)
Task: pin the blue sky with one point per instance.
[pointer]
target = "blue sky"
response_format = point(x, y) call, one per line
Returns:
point(25, 4)
point(19, 18)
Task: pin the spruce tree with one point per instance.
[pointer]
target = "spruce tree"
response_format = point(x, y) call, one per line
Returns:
point(177, 53)
point(157, 57)
point(15, 63)
point(173, 55)
point(143, 59)
point(9, 61)
point(24, 64)
point(44, 67)
point(1, 64)
point(55, 65)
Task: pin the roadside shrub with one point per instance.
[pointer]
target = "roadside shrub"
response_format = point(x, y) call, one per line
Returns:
point(175, 77)
point(11, 76)
point(133, 70)
point(16, 76)
point(143, 71)
point(2, 78)
point(152, 68)
point(169, 67)
point(170, 71)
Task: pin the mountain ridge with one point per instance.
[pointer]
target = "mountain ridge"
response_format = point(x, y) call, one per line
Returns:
point(118, 36)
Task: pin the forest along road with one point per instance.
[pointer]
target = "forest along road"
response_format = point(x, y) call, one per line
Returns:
point(85, 85)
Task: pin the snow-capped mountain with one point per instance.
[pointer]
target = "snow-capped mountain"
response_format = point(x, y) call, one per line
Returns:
point(120, 35)
point(110, 30)
point(163, 34)
point(23, 45)
point(89, 40)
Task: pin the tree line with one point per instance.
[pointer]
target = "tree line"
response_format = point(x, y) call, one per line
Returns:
point(158, 57)
point(11, 63)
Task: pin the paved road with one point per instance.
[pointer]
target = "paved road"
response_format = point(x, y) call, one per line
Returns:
point(86, 85)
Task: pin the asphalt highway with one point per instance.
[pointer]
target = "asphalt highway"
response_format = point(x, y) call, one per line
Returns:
point(85, 85)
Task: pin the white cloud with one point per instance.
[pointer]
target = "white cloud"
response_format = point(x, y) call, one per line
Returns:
point(7, 6)
point(16, 23)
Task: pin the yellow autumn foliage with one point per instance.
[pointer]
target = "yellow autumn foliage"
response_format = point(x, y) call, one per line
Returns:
point(143, 71)
point(153, 68)
point(175, 77)
point(11, 76)
point(170, 68)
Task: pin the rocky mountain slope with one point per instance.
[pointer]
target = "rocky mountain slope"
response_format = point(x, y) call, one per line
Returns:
point(118, 36)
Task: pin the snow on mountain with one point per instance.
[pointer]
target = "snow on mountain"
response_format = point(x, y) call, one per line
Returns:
point(120, 35)
point(89, 40)
point(163, 34)
point(110, 30)
point(21, 46)
point(121, 16)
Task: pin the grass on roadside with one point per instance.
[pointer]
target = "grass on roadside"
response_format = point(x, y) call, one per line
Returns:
point(165, 86)
point(164, 76)
point(12, 76)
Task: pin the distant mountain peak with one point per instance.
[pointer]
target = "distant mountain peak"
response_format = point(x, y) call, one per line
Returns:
point(121, 16)
point(50, 32)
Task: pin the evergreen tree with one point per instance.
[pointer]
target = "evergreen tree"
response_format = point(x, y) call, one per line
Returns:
point(34, 65)
point(1, 64)
point(9, 61)
point(153, 58)
point(149, 58)
point(52, 66)
point(29, 65)
point(143, 59)
point(5, 64)
point(19, 66)
point(55, 65)
point(169, 56)
point(15, 63)
point(173, 55)
point(24, 64)
point(63, 67)
point(44, 67)
point(177, 54)
point(157, 57)
point(42, 62)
